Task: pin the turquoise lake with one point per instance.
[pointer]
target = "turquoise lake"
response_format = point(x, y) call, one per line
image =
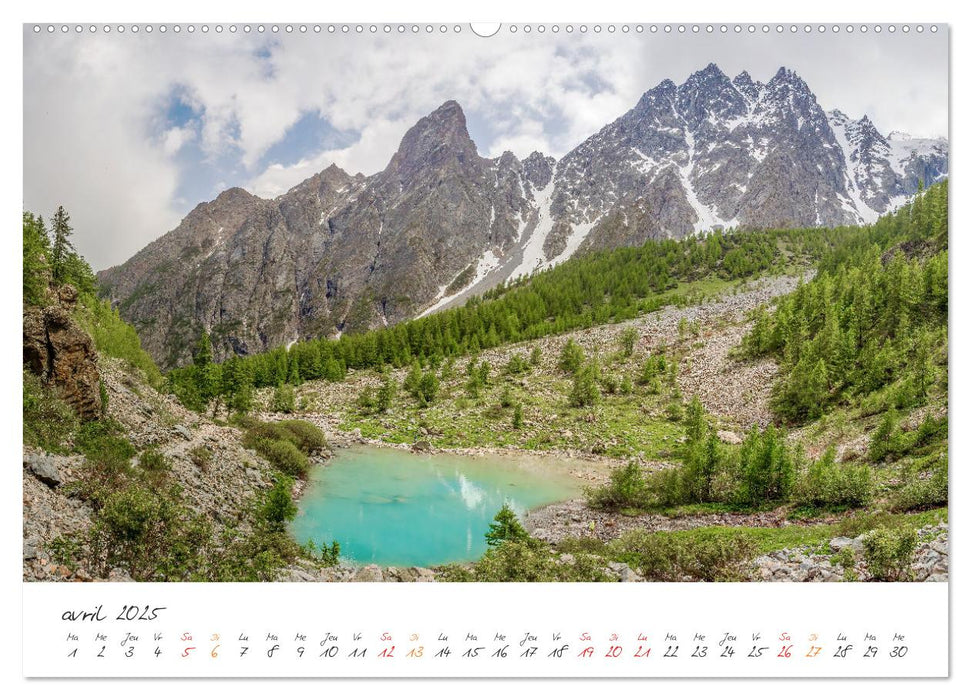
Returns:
point(396, 508)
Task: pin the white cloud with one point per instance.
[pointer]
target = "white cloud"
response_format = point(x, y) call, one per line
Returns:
point(93, 139)
point(175, 138)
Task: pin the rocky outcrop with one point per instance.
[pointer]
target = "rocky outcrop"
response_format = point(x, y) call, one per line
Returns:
point(62, 354)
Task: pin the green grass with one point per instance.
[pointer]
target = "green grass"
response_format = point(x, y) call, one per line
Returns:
point(49, 423)
point(769, 539)
point(619, 426)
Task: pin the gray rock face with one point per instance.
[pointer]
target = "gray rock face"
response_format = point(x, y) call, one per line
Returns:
point(62, 354)
point(341, 252)
point(42, 466)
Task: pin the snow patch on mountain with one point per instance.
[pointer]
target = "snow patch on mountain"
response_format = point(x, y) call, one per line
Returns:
point(532, 250)
point(488, 262)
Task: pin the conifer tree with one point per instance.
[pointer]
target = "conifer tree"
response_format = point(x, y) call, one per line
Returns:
point(505, 527)
point(35, 261)
point(61, 247)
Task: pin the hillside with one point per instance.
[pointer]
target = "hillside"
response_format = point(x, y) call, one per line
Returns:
point(343, 253)
point(120, 481)
point(750, 406)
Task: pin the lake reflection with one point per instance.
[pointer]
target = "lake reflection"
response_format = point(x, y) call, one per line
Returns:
point(391, 507)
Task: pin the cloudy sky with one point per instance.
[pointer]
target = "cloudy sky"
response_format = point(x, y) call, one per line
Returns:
point(130, 132)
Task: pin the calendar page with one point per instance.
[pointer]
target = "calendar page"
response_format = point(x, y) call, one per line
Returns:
point(450, 350)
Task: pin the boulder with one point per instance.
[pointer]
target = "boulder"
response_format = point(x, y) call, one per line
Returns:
point(42, 466)
point(727, 436)
point(624, 572)
point(371, 572)
point(840, 543)
point(182, 431)
point(423, 575)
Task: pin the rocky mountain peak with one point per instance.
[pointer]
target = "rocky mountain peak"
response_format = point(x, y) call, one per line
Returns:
point(789, 77)
point(538, 169)
point(709, 72)
point(341, 253)
point(663, 92)
point(709, 93)
point(746, 86)
point(437, 140)
point(233, 196)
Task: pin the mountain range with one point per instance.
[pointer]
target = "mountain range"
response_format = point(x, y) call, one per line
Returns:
point(341, 253)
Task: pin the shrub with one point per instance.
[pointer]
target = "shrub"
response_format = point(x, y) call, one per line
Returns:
point(423, 386)
point(114, 337)
point(366, 401)
point(528, 560)
point(804, 393)
point(888, 553)
point(702, 460)
point(582, 545)
point(150, 535)
point(303, 435)
point(517, 417)
point(571, 357)
point(703, 554)
point(651, 369)
point(307, 436)
point(506, 398)
point(585, 391)
point(49, 422)
point(325, 555)
point(103, 393)
point(535, 355)
point(284, 399)
point(388, 390)
point(478, 378)
point(674, 411)
point(890, 441)
point(156, 465)
point(517, 364)
point(610, 383)
point(882, 440)
point(282, 454)
point(107, 452)
point(628, 339)
point(846, 558)
point(129, 529)
point(627, 490)
point(154, 461)
point(922, 493)
point(828, 484)
point(201, 456)
point(278, 507)
point(667, 487)
point(766, 468)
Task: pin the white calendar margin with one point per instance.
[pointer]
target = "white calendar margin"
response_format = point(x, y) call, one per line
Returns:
point(917, 611)
point(385, 10)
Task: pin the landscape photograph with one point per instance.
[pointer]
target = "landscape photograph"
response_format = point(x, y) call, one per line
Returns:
point(407, 304)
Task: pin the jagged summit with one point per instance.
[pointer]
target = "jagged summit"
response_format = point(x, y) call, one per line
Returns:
point(340, 252)
point(437, 138)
